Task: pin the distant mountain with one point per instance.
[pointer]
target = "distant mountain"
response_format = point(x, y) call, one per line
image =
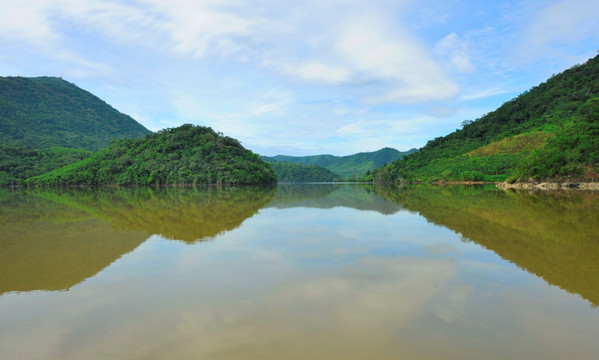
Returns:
point(289, 172)
point(185, 155)
point(347, 166)
point(43, 112)
point(548, 133)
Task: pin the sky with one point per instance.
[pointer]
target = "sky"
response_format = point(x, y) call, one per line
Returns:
point(301, 77)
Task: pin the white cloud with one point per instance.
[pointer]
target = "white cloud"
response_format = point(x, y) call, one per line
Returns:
point(358, 47)
point(479, 94)
point(379, 127)
point(85, 68)
point(272, 103)
point(322, 72)
point(441, 111)
point(565, 21)
point(316, 75)
point(455, 50)
point(202, 27)
point(27, 20)
point(393, 58)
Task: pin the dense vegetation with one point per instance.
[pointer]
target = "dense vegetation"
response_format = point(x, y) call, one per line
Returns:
point(572, 152)
point(549, 132)
point(20, 163)
point(48, 128)
point(43, 112)
point(347, 166)
point(184, 155)
point(297, 172)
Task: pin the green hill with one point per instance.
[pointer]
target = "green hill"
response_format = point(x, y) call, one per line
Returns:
point(43, 112)
point(20, 163)
point(297, 172)
point(549, 132)
point(347, 166)
point(184, 155)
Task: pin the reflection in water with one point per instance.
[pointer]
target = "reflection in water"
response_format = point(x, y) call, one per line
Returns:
point(554, 235)
point(326, 196)
point(179, 213)
point(54, 239)
point(49, 246)
point(304, 274)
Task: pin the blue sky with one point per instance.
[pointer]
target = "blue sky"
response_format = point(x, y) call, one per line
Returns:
point(301, 77)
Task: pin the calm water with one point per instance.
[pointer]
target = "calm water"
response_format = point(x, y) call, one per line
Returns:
point(299, 272)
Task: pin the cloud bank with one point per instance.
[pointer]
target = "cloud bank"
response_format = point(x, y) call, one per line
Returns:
point(267, 71)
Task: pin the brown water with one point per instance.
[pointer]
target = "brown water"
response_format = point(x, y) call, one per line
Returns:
point(299, 272)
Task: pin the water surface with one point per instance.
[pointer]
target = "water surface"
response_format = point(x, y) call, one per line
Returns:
point(298, 272)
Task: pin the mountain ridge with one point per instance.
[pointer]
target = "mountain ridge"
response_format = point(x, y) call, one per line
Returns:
point(42, 112)
point(347, 166)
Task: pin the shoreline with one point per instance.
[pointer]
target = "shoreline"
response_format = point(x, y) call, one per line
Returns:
point(550, 186)
point(567, 185)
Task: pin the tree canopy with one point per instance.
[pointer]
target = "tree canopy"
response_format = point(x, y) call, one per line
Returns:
point(548, 132)
point(298, 172)
point(42, 112)
point(20, 163)
point(184, 155)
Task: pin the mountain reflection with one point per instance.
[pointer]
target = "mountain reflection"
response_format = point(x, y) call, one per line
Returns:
point(179, 213)
point(551, 234)
point(54, 239)
point(49, 246)
point(327, 196)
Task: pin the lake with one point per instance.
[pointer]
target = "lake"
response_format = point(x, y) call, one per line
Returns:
point(299, 272)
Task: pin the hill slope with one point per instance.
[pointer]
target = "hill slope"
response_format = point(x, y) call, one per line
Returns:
point(184, 155)
point(20, 163)
point(43, 112)
point(549, 132)
point(347, 166)
point(298, 172)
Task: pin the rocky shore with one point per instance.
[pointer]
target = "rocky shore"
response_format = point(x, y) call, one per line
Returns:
point(550, 186)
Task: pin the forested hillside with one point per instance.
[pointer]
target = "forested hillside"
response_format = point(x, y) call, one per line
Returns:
point(347, 166)
point(548, 132)
point(43, 112)
point(298, 172)
point(20, 163)
point(184, 155)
